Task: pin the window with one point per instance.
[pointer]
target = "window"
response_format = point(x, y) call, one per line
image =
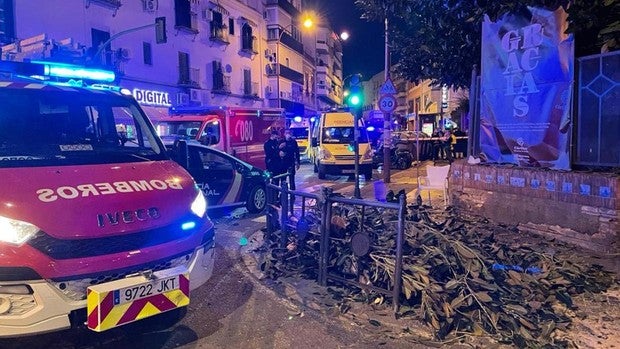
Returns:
point(211, 133)
point(218, 76)
point(247, 40)
point(99, 37)
point(44, 127)
point(231, 26)
point(218, 29)
point(7, 30)
point(247, 82)
point(147, 53)
point(288, 62)
point(213, 161)
point(182, 14)
point(272, 34)
point(184, 77)
point(343, 135)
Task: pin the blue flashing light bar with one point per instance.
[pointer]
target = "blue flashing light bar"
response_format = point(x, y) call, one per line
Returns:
point(370, 128)
point(70, 71)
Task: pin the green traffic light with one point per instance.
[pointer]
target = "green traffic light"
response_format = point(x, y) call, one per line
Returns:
point(355, 100)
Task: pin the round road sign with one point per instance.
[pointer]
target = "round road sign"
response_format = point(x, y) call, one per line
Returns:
point(387, 103)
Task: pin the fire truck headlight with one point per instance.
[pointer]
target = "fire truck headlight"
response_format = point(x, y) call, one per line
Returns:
point(16, 232)
point(199, 206)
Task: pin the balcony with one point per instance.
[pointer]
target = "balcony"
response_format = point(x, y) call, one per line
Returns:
point(291, 74)
point(221, 84)
point(189, 77)
point(249, 88)
point(321, 47)
point(286, 6)
point(321, 69)
point(219, 33)
point(291, 42)
point(249, 45)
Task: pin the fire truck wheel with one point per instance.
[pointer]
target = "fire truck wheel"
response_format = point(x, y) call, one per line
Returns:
point(256, 200)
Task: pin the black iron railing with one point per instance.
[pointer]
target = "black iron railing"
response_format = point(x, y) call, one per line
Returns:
point(324, 207)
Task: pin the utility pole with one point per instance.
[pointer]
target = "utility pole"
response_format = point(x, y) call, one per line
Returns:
point(387, 124)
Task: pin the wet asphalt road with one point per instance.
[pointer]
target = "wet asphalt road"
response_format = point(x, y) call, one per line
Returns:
point(233, 309)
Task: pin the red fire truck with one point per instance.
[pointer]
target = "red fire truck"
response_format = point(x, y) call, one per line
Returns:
point(238, 131)
point(98, 225)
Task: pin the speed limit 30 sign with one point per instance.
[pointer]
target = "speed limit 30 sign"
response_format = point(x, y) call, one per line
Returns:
point(387, 103)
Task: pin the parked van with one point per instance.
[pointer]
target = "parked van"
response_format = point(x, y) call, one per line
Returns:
point(99, 226)
point(240, 132)
point(333, 146)
point(300, 130)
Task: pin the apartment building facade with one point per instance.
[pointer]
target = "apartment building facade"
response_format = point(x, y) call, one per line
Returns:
point(218, 53)
point(329, 82)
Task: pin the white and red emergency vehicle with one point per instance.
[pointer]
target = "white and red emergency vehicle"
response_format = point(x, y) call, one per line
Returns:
point(98, 225)
point(240, 132)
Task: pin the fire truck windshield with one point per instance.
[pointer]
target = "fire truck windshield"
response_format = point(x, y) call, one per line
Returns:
point(178, 129)
point(43, 127)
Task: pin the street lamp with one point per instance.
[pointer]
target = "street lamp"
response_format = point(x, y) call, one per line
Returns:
point(308, 23)
point(344, 36)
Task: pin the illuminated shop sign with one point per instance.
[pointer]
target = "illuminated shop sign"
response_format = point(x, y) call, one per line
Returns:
point(151, 97)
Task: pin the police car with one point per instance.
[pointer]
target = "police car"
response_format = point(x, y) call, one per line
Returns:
point(225, 180)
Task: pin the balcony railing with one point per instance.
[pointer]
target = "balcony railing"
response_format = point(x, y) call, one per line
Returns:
point(249, 44)
point(250, 88)
point(219, 33)
point(113, 4)
point(189, 77)
point(221, 83)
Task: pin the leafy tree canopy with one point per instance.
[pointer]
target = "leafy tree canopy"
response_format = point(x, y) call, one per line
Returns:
point(440, 39)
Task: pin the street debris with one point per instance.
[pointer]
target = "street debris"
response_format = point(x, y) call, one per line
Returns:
point(458, 277)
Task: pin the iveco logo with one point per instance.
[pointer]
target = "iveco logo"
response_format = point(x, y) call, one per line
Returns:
point(130, 216)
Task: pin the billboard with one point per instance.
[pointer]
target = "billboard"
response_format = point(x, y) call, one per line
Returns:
point(526, 89)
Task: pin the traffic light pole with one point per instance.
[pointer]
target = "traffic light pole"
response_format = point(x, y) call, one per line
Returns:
point(160, 25)
point(386, 116)
point(356, 146)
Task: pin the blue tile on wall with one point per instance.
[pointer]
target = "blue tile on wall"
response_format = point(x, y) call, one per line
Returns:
point(604, 192)
point(500, 180)
point(535, 183)
point(550, 186)
point(585, 189)
point(517, 182)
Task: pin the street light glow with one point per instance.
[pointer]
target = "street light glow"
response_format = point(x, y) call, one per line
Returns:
point(308, 22)
point(344, 36)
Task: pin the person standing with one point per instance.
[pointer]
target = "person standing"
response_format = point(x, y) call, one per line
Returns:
point(291, 160)
point(446, 144)
point(272, 157)
point(291, 156)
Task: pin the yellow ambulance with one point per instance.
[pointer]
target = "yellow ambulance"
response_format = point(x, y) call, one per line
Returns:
point(333, 150)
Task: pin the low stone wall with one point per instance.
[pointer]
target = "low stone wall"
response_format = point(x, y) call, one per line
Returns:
point(576, 207)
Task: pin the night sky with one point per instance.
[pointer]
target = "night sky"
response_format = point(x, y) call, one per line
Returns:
point(364, 50)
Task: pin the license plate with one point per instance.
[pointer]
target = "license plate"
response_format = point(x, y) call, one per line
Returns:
point(120, 302)
point(348, 171)
point(147, 289)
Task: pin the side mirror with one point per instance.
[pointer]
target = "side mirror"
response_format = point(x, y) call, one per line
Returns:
point(315, 142)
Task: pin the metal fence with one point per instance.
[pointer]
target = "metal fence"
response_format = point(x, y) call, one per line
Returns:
point(326, 207)
point(598, 110)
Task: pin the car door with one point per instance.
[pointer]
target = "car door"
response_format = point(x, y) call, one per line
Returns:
point(215, 174)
